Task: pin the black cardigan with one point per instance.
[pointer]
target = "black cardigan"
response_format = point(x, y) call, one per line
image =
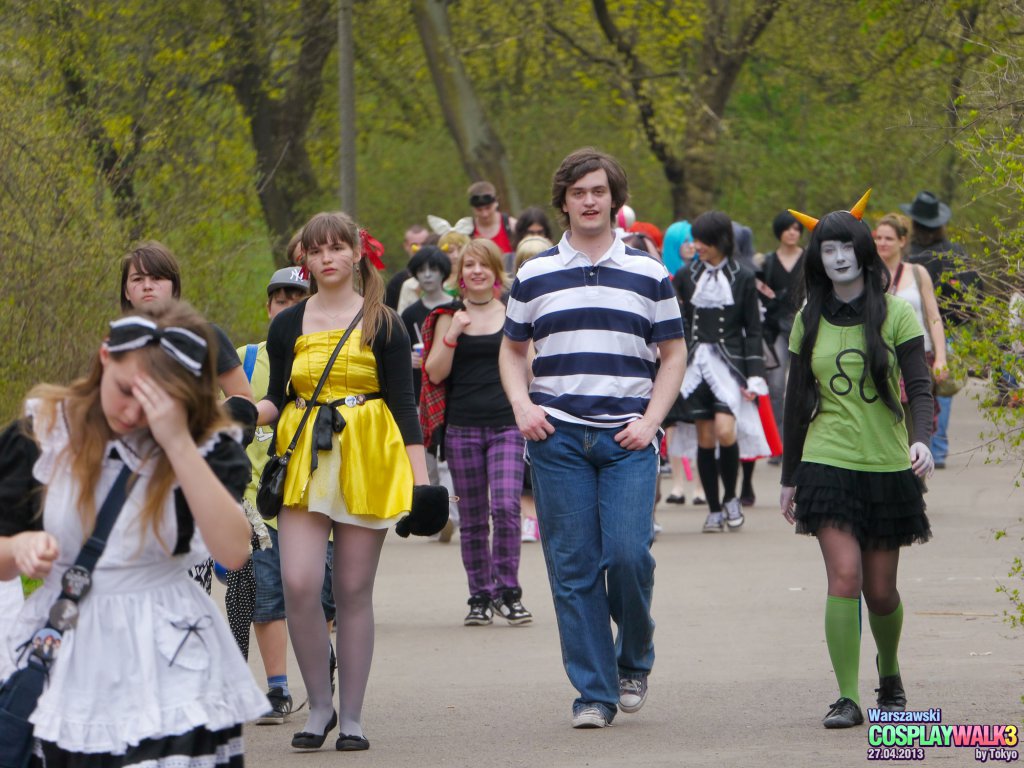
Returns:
point(394, 368)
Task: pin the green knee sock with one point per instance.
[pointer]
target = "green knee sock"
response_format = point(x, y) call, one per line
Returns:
point(886, 630)
point(842, 634)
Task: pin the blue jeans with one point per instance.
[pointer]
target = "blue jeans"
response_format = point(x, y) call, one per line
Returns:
point(940, 440)
point(266, 565)
point(595, 504)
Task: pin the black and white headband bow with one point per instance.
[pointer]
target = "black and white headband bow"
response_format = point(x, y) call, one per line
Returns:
point(186, 347)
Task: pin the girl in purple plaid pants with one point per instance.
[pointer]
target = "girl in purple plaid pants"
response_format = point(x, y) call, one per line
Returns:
point(483, 446)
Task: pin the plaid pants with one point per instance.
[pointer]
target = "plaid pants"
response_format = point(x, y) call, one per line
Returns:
point(482, 459)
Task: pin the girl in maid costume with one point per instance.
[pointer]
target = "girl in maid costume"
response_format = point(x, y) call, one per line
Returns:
point(149, 673)
point(848, 477)
point(725, 371)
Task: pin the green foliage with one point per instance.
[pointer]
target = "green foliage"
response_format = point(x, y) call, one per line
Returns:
point(813, 120)
point(989, 142)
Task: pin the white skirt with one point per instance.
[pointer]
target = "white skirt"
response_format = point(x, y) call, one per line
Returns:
point(708, 366)
point(151, 657)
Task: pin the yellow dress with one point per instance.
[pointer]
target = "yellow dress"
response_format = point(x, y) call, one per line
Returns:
point(366, 478)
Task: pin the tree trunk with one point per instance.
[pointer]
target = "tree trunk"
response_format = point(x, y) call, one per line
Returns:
point(480, 149)
point(116, 167)
point(347, 110)
point(692, 173)
point(278, 125)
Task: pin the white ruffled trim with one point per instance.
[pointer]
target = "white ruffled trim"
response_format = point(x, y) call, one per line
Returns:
point(51, 442)
point(234, 432)
point(706, 365)
point(713, 290)
point(116, 739)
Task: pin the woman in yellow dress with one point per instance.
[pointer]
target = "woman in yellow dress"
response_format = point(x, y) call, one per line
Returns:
point(354, 465)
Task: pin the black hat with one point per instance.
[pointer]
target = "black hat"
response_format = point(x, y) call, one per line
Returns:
point(287, 277)
point(927, 210)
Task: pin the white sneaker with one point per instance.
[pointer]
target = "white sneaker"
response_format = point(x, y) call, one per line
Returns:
point(589, 717)
point(531, 530)
point(733, 514)
point(632, 693)
point(713, 523)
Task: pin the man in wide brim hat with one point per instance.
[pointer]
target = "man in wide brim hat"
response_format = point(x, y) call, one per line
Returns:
point(927, 210)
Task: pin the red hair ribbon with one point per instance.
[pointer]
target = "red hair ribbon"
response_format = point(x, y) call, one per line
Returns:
point(371, 249)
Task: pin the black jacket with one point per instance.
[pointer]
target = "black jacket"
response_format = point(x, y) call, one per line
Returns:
point(735, 330)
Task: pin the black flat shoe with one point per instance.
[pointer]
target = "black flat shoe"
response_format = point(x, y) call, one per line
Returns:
point(674, 499)
point(843, 714)
point(307, 740)
point(352, 743)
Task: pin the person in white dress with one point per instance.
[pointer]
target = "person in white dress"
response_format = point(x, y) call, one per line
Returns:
point(150, 674)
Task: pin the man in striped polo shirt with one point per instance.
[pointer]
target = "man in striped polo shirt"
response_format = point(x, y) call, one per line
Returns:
point(599, 314)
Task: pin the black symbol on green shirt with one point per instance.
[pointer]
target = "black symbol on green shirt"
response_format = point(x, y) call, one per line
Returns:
point(841, 384)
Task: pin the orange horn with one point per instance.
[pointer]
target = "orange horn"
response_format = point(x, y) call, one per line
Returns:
point(858, 210)
point(809, 222)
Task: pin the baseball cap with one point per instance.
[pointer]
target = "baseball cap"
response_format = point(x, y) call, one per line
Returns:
point(287, 277)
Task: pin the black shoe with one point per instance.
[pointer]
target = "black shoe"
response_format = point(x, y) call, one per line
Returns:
point(891, 697)
point(674, 499)
point(280, 708)
point(479, 612)
point(748, 500)
point(843, 714)
point(334, 668)
point(351, 743)
point(307, 740)
point(510, 607)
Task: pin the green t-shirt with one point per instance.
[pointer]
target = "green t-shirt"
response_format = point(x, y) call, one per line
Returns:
point(264, 437)
point(853, 428)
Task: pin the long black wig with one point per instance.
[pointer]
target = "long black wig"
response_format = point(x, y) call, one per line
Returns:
point(846, 228)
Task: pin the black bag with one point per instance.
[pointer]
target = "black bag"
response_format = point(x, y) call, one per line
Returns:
point(270, 492)
point(20, 692)
point(18, 697)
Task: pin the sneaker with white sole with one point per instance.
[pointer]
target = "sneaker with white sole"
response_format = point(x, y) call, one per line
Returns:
point(280, 708)
point(589, 717)
point(480, 613)
point(632, 693)
point(713, 523)
point(510, 607)
point(733, 514)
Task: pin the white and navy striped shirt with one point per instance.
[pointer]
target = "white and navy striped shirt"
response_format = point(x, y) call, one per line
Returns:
point(595, 328)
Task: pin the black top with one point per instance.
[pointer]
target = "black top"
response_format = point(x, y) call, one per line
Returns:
point(391, 350)
point(780, 311)
point(21, 493)
point(945, 257)
point(916, 378)
point(393, 290)
point(475, 395)
point(227, 357)
point(414, 316)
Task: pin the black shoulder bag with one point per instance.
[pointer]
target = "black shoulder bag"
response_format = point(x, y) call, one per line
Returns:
point(270, 492)
point(20, 692)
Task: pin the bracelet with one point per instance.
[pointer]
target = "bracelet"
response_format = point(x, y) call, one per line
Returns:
point(444, 340)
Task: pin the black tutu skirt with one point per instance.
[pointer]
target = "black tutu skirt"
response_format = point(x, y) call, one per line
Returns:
point(883, 510)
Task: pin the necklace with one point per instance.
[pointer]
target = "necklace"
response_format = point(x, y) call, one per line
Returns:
point(480, 303)
point(334, 318)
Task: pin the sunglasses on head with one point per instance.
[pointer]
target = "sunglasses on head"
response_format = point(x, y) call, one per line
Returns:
point(479, 201)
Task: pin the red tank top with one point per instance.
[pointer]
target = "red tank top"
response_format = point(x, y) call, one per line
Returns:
point(501, 238)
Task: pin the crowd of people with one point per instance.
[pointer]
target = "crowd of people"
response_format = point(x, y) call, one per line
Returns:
point(508, 360)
